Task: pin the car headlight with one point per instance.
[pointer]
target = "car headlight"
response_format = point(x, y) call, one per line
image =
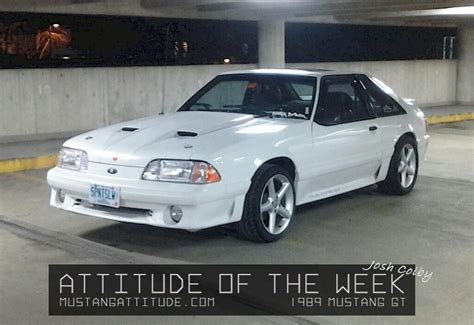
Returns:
point(72, 159)
point(181, 171)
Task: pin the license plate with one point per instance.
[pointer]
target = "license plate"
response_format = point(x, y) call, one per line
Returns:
point(104, 195)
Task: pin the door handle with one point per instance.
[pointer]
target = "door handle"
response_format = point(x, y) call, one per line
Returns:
point(373, 128)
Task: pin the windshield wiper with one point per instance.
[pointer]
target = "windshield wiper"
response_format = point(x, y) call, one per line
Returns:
point(257, 113)
point(206, 105)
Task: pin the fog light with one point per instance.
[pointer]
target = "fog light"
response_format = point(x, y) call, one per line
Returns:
point(61, 196)
point(176, 213)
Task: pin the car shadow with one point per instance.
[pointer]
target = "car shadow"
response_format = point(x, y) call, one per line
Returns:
point(199, 246)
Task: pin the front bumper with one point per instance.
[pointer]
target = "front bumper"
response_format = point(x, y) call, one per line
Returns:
point(148, 202)
point(423, 146)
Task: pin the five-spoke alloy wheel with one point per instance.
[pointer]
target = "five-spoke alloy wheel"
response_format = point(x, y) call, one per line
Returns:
point(407, 165)
point(269, 205)
point(403, 169)
point(277, 204)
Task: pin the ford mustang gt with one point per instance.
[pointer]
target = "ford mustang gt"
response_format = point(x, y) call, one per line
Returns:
point(246, 149)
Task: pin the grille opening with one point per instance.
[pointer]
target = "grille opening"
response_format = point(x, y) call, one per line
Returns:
point(122, 211)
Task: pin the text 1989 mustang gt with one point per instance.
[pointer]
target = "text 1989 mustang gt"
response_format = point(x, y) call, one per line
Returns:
point(248, 147)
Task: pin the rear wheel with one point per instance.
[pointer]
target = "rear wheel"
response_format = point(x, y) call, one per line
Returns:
point(269, 205)
point(403, 170)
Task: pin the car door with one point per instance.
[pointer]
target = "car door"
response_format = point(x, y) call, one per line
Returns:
point(346, 140)
point(389, 114)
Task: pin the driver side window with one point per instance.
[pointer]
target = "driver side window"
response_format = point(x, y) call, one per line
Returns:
point(340, 101)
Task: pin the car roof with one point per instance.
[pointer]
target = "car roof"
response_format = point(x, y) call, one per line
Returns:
point(289, 72)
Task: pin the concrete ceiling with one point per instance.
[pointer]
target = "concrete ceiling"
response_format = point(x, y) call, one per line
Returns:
point(397, 12)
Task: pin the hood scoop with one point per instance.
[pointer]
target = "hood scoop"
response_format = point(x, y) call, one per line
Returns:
point(186, 134)
point(129, 129)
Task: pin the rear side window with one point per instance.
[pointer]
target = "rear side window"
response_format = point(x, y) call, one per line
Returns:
point(382, 103)
point(341, 101)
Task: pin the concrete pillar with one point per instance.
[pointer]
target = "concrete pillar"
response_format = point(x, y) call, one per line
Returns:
point(271, 44)
point(465, 75)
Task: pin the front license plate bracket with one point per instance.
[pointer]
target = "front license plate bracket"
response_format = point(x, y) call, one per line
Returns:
point(104, 195)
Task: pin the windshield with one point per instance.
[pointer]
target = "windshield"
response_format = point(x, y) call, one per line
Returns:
point(261, 95)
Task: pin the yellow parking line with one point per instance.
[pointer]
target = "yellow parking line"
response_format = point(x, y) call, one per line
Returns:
point(16, 165)
point(458, 117)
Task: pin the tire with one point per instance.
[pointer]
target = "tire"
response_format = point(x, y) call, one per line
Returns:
point(404, 160)
point(261, 207)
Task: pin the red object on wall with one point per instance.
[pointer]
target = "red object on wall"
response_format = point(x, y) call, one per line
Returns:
point(50, 39)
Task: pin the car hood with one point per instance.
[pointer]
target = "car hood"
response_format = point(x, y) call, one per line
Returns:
point(180, 135)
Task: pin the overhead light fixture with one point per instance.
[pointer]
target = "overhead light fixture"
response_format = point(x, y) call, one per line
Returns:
point(467, 10)
point(226, 60)
point(55, 25)
point(452, 11)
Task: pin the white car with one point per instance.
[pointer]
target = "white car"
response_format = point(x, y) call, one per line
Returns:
point(247, 148)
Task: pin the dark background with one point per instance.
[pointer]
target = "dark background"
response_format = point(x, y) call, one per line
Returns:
point(129, 41)
point(124, 41)
point(339, 43)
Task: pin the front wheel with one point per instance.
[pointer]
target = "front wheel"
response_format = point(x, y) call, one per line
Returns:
point(269, 205)
point(403, 170)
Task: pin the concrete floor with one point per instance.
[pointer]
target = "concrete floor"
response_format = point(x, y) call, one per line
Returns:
point(432, 228)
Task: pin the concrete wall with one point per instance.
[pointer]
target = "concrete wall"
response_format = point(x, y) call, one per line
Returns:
point(465, 82)
point(49, 103)
point(430, 82)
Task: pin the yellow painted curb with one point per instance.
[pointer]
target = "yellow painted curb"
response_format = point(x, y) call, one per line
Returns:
point(458, 117)
point(16, 165)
